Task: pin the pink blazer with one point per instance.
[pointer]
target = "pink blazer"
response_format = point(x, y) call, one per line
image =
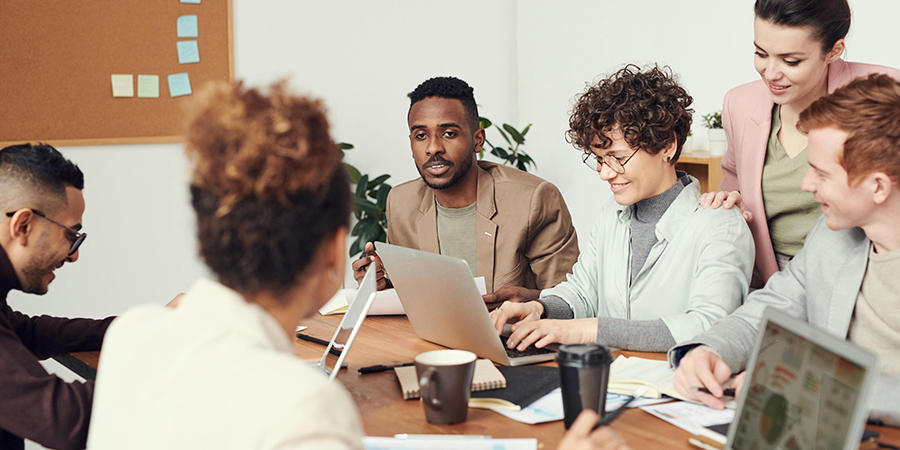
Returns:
point(747, 117)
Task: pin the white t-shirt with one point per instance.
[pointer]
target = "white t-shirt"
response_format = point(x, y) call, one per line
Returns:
point(216, 372)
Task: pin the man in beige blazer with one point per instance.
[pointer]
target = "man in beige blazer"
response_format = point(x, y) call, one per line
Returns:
point(511, 227)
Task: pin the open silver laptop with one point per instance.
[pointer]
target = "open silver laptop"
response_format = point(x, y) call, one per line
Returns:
point(805, 389)
point(444, 305)
point(350, 323)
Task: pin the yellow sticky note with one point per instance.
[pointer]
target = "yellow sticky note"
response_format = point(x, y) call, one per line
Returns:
point(123, 85)
point(148, 86)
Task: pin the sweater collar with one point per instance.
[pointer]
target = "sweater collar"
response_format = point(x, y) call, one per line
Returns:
point(8, 278)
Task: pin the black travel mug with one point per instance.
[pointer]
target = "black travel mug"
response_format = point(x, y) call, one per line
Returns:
point(583, 377)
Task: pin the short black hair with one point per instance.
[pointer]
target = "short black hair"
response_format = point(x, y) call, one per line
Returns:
point(448, 87)
point(43, 165)
point(829, 19)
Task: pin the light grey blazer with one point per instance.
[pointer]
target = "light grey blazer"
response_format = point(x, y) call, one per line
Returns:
point(820, 285)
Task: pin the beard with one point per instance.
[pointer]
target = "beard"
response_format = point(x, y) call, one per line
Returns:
point(463, 168)
point(36, 271)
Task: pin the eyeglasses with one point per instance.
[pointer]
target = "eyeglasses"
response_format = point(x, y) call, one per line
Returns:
point(616, 164)
point(74, 235)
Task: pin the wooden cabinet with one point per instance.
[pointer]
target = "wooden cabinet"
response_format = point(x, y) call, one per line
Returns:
point(704, 167)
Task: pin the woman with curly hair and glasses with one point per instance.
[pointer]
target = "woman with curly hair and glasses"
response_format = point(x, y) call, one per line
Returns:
point(658, 269)
point(273, 203)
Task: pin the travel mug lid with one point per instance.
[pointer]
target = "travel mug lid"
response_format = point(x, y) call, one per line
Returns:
point(584, 355)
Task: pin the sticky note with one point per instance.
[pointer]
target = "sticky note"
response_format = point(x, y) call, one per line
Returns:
point(187, 26)
point(123, 85)
point(191, 1)
point(148, 86)
point(179, 84)
point(188, 52)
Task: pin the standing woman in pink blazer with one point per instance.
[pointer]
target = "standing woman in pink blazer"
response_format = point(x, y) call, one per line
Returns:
point(797, 50)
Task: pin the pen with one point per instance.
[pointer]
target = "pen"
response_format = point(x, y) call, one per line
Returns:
point(606, 420)
point(306, 338)
point(725, 392)
point(382, 367)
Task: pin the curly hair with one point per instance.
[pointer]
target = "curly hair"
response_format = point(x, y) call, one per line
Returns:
point(868, 109)
point(649, 107)
point(267, 184)
point(448, 87)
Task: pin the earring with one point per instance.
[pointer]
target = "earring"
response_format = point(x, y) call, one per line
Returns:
point(332, 275)
point(668, 159)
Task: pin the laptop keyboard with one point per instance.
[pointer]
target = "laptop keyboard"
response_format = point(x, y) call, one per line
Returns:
point(530, 351)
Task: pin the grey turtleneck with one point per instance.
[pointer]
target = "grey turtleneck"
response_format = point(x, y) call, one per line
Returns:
point(637, 335)
point(647, 213)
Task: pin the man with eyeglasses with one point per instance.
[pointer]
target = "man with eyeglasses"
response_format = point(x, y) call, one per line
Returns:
point(511, 227)
point(658, 269)
point(40, 231)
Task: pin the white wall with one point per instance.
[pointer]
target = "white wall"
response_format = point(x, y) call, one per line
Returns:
point(527, 60)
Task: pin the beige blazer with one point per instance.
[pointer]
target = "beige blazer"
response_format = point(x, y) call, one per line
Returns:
point(747, 117)
point(523, 231)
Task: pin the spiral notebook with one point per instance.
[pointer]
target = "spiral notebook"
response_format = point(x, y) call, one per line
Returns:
point(486, 377)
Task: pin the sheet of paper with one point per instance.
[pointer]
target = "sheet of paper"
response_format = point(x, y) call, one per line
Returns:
point(689, 416)
point(148, 86)
point(179, 84)
point(447, 442)
point(187, 26)
point(550, 407)
point(188, 52)
point(123, 85)
point(339, 301)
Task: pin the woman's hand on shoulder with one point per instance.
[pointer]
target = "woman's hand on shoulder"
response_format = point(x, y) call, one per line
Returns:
point(726, 200)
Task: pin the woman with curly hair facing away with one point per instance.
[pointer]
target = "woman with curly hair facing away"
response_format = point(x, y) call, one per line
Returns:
point(658, 269)
point(273, 204)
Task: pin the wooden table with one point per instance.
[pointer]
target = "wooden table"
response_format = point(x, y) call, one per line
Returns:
point(389, 339)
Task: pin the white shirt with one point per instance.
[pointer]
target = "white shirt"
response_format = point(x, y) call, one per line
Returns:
point(216, 372)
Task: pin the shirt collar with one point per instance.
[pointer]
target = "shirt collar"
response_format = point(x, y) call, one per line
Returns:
point(678, 212)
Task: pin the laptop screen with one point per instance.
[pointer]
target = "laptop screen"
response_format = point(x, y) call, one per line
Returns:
point(800, 395)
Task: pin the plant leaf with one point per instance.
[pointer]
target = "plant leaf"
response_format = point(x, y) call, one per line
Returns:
point(504, 136)
point(377, 181)
point(352, 173)
point(525, 131)
point(361, 186)
point(514, 133)
point(355, 248)
point(381, 199)
point(484, 122)
point(345, 146)
point(367, 207)
point(500, 152)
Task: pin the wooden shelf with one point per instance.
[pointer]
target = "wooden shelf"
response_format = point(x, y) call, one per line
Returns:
point(702, 166)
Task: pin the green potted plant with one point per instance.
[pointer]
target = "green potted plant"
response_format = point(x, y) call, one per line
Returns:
point(717, 144)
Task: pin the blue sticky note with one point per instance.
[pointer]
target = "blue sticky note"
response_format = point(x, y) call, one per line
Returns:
point(188, 52)
point(179, 84)
point(187, 26)
point(191, 1)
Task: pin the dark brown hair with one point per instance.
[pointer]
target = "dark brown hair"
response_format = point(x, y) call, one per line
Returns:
point(868, 109)
point(267, 185)
point(648, 106)
point(828, 19)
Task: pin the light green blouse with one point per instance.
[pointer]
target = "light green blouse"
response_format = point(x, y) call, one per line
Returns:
point(790, 212)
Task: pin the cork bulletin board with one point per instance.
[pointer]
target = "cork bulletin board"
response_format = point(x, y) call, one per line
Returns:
point(58, 58)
